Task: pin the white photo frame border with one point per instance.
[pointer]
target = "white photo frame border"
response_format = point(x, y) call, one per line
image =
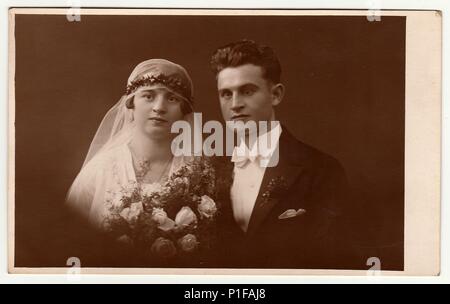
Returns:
point(422, 144)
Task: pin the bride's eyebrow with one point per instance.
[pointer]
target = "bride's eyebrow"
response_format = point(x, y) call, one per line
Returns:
point(147, 90)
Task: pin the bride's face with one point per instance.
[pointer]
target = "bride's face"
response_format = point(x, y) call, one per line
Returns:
point(155, 110)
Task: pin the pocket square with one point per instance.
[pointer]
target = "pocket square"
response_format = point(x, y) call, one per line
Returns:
point(291, 213)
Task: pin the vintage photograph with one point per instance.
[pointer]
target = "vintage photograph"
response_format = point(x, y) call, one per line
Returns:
point(221, 140)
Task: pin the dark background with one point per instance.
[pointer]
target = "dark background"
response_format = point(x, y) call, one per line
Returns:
point(345, 95)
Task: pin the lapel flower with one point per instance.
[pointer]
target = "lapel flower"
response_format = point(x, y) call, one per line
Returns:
point(275, 189)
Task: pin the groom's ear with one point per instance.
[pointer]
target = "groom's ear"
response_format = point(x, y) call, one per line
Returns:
point(277, 92)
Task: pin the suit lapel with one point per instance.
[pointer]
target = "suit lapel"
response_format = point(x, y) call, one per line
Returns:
point(282, 176)
point(224, 169)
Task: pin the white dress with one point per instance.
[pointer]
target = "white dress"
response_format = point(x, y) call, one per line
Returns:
point(107, 171)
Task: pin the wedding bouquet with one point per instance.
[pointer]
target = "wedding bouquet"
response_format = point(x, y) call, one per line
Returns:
point(175, 219)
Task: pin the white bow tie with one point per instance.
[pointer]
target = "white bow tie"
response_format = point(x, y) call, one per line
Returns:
point(242, 161)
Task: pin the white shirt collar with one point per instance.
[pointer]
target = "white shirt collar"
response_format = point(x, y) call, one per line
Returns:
point(263, 147)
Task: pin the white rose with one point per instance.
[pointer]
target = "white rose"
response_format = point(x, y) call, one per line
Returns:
point(185, 217)
point(114, 199)
point(149, 189)
point(125, 239)
point(163, 247)
point(164, 222)
point(132, 213)
point(115, 224)
point(207, 207)
point(188, 243)
point(178, 181)
point(129, 189)
point(117, 202)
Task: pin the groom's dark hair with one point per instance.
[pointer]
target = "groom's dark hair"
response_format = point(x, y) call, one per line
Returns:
point(244, 52)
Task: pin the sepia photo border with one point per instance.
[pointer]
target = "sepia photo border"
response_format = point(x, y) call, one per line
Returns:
point(422, 143)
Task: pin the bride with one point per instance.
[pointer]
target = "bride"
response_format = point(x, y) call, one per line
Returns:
point(133, 147)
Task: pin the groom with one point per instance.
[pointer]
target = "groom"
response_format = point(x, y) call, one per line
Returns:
point(289, 210)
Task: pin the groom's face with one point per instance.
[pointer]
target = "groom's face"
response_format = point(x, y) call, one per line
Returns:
point(245, 95)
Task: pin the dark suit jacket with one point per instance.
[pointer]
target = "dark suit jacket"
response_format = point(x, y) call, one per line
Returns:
point(304, 178)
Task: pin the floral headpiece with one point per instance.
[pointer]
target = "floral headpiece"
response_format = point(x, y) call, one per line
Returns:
point(171, 82)
point(164, 72)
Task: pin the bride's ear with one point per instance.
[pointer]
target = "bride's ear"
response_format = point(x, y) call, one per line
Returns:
point(130, 103)
point(129, 115)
